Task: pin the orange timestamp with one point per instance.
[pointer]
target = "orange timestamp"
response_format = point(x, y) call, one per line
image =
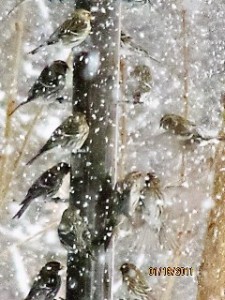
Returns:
point(170, 271)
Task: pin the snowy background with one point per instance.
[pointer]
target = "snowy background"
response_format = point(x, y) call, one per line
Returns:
point(186, 176)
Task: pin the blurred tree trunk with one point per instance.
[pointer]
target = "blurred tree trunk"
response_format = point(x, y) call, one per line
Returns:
point(86, 277)
point(211, 280)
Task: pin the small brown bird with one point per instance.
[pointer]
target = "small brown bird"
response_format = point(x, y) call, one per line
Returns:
point(47, 283)
point(128, 193)
point(143, 77)
point(70, 135)
point(73, 31)
point(50, 82)
point(127, 40)
point(135, 281)
point(152, 208)
point(47, 185)
point(152, 203)
point(181, 127)
point(73, 232)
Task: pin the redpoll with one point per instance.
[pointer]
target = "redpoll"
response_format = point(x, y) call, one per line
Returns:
point(128, 193)
point(71, 135)
point(135, 281)
point(181, 127)
point(153, 211)
point(73, 232)
point(152, 202)
point(50, 82)
point(47, 283)
point(106, 214)
point(143, 77)
point(73, 31)
point(47, 185)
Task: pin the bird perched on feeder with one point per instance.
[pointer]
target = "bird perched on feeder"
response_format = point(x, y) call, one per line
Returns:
point(152, 203)
point(51, 81)
point(73, 232)
point(47, 185)
point(47, 283)
point(135, 281)
point(152, 210)
point(72, 32)
point(128, 194)
point(70, 135)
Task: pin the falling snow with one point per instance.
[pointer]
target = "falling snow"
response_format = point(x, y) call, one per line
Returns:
point(184, 74)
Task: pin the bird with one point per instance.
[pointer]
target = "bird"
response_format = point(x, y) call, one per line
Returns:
point(72, 31)
point(71, 135)
point(142, 77)
point(152, 202)
point(128, 194)
point(152, 210)
point(50, 82)
point(73, 232)
point(120, 203)
point(135, 281)
point(127, 40)
point(181, 127)
point(47, 185)
point(106, 213)
point(47, 283)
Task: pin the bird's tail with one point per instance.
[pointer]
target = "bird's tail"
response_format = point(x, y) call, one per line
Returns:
point(34, 158)
point(208, 138)
point(19, 105)
point(25, 203)
point(36, 49)
point(167, 239)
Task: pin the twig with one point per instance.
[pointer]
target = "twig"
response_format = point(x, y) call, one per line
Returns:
point(185, 83)
point(185, 60)
point(14, 7)
point(123, 125)
point(30, 238)
point(21, 152)
point(213, 253)
point(15, 69)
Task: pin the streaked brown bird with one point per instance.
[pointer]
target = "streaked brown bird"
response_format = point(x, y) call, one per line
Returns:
point(128, 193)
point(135, 281)
point(70, 135)
point(47, 283)
point(73, 31)
point(50, 82)
point(47, 185)
point(152, 203)
point(152, 209)
point(73, 232)
point(181, 127)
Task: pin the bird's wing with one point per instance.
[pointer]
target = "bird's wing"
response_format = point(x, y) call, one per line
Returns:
point(47, 83)
point(71, 26)
point(50, 76)
point(184, 129)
